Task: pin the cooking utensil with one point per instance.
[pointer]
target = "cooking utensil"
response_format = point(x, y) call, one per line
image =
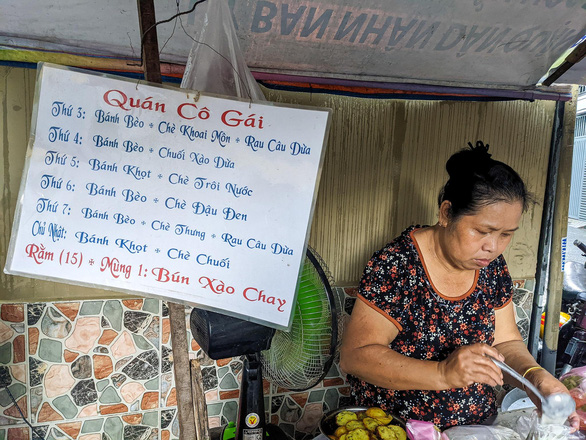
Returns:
point(555, 408)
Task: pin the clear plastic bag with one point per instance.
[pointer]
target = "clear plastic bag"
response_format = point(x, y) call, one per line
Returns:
point(481, 432)
point(575, 381)
point(216, 64)
point(530, 428)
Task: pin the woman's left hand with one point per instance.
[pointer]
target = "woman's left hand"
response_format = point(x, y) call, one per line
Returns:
point(548, 384)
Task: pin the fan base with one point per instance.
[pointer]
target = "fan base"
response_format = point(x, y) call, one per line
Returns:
point(228, 432)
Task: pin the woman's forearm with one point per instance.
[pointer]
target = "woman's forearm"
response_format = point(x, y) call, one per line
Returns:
point(383, 367)
point(517, 357)
point(365, 353)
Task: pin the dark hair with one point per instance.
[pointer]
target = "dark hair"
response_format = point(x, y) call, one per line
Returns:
point(477, 180)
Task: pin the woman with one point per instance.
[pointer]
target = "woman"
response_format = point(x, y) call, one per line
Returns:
point(435, 304)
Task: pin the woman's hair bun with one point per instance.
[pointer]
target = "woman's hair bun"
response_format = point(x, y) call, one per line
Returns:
point(480, 149)
point(469, 161)
point(476, 179)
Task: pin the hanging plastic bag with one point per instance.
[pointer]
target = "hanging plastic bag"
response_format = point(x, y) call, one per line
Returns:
point(216, 64)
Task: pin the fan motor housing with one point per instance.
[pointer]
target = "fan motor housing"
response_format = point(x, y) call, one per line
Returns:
point(222, 336)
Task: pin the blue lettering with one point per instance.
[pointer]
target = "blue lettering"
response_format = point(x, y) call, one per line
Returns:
point(130, 246)
point(136, 172)
point(178, 179)
point(94, 190)
point(85, 238)
point(251, 142)
point(178, 254)
point(101, 141)
point(102, 116)
point(278, 248)
point(231, 214)
point(60, 108)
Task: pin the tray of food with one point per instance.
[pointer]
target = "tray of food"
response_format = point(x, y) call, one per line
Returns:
point(361, 423)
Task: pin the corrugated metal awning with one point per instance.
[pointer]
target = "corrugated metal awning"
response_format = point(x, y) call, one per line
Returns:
point(502, 44)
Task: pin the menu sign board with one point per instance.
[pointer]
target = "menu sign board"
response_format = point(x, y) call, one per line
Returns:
point(168, 192)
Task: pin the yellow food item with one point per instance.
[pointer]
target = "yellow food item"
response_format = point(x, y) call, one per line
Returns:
point(375, 413)
point(370, 423)
point(344, 417)
point(391, 432)
point(354, 424)
point(358, 434)
point(399, 432)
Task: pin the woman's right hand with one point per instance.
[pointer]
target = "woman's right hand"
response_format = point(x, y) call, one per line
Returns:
point(470, 364)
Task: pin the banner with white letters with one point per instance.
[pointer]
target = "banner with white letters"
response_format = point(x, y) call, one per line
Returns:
point(464, 43)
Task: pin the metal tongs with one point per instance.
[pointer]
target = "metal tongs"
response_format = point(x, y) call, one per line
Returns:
point(555, 408)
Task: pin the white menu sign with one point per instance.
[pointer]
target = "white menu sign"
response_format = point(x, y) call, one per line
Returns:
point(168, 192)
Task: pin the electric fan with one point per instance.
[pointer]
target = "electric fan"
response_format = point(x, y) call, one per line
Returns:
point(296, 360)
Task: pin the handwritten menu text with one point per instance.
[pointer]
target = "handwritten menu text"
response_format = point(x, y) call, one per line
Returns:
point(168, 192)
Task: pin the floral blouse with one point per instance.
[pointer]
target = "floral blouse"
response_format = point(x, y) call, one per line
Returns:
point(431, 326)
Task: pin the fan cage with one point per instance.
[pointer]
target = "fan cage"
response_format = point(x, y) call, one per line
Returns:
point(301, 358)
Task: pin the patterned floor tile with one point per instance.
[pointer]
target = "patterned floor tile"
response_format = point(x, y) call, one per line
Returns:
point(130, 426)
point(13, 374)
point(93, 357)
point(103, 370)
point(15, 433)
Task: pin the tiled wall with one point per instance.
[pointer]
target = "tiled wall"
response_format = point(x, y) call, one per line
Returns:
point(103, 370)
point(523, 300)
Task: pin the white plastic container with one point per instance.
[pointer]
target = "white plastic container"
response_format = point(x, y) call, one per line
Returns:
point(516, 399)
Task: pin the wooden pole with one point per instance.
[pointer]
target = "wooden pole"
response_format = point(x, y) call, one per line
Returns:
point(182, 369)
point(573, 58)
point(199, 399)
point(150, 44)
point(188, 378)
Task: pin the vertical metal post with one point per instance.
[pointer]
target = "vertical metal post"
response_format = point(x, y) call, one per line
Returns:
point(564, 138)
point(554, 284)
point(545, 237)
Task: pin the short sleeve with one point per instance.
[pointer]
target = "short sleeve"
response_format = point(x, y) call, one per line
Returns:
point(381, 286)
point(504, 290)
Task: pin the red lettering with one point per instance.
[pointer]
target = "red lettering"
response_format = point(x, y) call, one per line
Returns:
point(216, 286)
point(180, 110)
point(244, 293)
point(161, 273)
point(232, 122)
point(38, 253)
point(114, 100)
